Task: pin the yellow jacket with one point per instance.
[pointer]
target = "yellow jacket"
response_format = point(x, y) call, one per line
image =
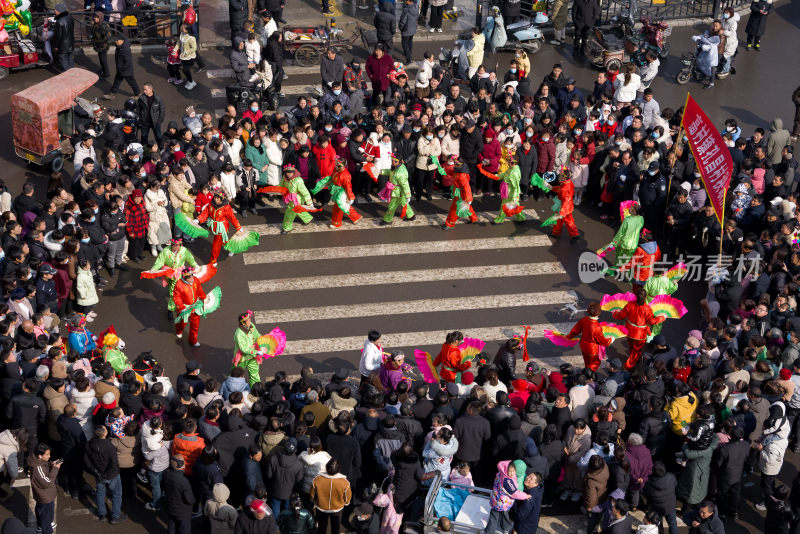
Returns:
point(475, 56)
point(681, 412)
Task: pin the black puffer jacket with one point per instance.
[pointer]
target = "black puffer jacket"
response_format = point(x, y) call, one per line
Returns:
point(101, 459)
point(585, 12)
point(384, 21)
point(471, 146)
point(472, 432)
point(110, 223)
point(407, 478)
point(64, 34)
point(506, 362)
point(283, 474)
point(660, 492)
point(123, 57)
point(178, 496)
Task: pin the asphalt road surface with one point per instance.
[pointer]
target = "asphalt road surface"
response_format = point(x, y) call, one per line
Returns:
point(412, 281)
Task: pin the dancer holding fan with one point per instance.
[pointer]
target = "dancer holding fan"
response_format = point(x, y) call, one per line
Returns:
point(462, 197)
point(592, 338)
point(639, 318)
point(221, 218)
point(397, 192)
point(340, 183)
point(450, 357)
point(174, 258)
point(185, 295)
point(565, 191)
point(643, 261)
point(251, 348)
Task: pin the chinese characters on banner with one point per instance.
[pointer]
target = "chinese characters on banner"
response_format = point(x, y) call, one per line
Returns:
point(712, 156)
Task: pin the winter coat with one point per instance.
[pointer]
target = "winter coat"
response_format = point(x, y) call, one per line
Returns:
point(778, 138)
point(407, 476)
point(527, 511)
point(313, 465)
point(491, 151)
point(345, 448)
point(128, 451)
point(378, 71)
point(189, 446)
point(693, 481)
point(546, 153)
point(85, 401)
point(660, 493)
point(729, 30)
point(710, 525)
point(438, 456)
point(10, 459)
point(729, 460)
point(56, 402)
point(63, 40)
point(84, 285)
point(247, 523)
point(302, 522)
point(284, 472)
point(100, 459)
point(475, 56)
point(595, 487)
point(43, 479)
point(384, 21)
point(221, 515)
point(585, 13)
point(178, 496)
point(426, 149)
point(330, 493)
point(28, 411)
point(123, 58)
point(408, 20)
point(708, 56)
point(757, 24)
point(641, 465)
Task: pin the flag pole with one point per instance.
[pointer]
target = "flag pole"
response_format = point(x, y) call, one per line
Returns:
point(722, 228)
point(672, 165)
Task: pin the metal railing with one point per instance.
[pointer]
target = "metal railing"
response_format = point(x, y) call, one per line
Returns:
point(146, 25)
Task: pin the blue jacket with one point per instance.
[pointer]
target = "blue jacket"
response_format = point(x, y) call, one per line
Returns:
point(81, 342)
point(234, 383)
point(527, 518)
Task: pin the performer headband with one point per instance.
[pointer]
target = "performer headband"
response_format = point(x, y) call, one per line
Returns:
point(289, 168)
point(187, 270)
point(245, 315)
point(176, 241)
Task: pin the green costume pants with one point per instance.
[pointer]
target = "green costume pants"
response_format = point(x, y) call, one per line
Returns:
point(502, 217)
point(170, 288)
point(393, 205)
point(289, 216)
point(251, 366)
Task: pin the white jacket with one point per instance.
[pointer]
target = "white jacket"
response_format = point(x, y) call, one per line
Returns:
point(275, 156)
point(228, 181)
point(252, 50)
point(9, 454)
point(169, 391)
point(371, 359)
point(85, 401)
point(313, 465)
point(729, 28)
point(626, 93)
point(151, 441)
point(424, 74)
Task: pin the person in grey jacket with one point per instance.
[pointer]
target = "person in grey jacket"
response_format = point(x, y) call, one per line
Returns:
point(241, 67)
point(408, 27)
point(779, 137)
point(331, 69)
point(439, 451)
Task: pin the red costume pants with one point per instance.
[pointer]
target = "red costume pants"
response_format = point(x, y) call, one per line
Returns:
point(452, 217)
point(592, 361)
point(338, 215)
point(636, 347)
point(571, 228)
point(194, 327)
point(216, 246)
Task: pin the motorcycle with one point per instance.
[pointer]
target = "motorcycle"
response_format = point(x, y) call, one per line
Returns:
point(240, 96)
point(689, 71)
point(653, 32)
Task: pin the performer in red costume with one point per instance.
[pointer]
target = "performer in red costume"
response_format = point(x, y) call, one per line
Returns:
point(342, 192)
point(639, 318)
point(643, 260)
point(222, 218)
point(592, 337)
point(461, 192)
point(450, 357)
point(565, 190)
point(187, 292)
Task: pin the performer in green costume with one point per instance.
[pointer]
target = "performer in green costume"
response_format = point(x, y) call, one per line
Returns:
point(627, 238)
point(511, 178)
point(655, 286)
point(246, 353)
point(297, 195)
point(174, 257)
point(113, 355)
point(401, 193)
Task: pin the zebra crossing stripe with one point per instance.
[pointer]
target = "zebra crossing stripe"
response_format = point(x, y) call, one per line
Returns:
point(394, 249)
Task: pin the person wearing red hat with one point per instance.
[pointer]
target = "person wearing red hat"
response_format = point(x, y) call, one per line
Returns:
point(639, 318)
point(592, 338)
point(644, 259)
point(187, 291)
point(565, 191)
point(461, 193)
point(450, 358)
point(221, 218)
point(256, 518)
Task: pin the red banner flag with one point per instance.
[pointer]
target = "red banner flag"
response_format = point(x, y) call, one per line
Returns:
point(712, 156)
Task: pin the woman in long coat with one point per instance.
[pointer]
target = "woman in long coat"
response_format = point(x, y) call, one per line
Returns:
point(158, 230)
point(693, 480)
point(757, 25)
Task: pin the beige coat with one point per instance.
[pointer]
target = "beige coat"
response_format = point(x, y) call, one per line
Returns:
point(475, 56)
point(177, 192)
point(426, 149)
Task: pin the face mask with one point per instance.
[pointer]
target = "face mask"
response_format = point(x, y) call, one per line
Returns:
point(652, 173)
point(142, 173)
point(254, 109)
point(528, 120)
point(97, 210)
point(513, 70)
point(415, 130)
point(545, 139)
point(215, 136)
point(85, 240)
point(337, 92)
point(328, 128)
point(440, 135)
point(695, 187)
point(429, 137)
point(731, 129)
point(509, 131)
point(611, 121)
point(529, 133)
point(356, 66)
point(577, 132)
point(135, 160)
point(726, 16)
point(618, 143)
point(92, 219)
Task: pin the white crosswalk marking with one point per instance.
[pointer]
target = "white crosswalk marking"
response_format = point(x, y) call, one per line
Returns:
point(322, 222)
point(405, 277)
point(414, 339)
point(394, 249)
point(318, 313)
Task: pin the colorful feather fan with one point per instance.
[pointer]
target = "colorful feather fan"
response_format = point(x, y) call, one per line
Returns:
point(426, 367)
point(550, 221)
point(512, 208)
point(602, 252)
point(487, 173)
point(560, 340)
point(614, 331)
point(625, 208)
point(165, 272)
point(669, 307)
point(463, 209)
point(470, 348)
point(371, 171)
point(616, 301)
point(274, 343)
point(205, 273)
point(272, 189)
point(676, 272)
point(189, 227)
point(241, 241)
point(212, 301)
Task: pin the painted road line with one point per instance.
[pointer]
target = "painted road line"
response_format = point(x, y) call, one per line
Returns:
point(219, 73)
point(405, 277)
point(321, 313)
point(415, 339)
point(373, 223)
point(394, 249)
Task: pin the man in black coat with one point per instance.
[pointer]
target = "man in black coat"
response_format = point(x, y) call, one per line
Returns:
point(473, 432)
point(705, 520)
point(660, 493)
point(73, 447)
point(123, 58)
point(385, 24)
point(284, 473)
point(728, 464)
point(151, 114)
point(101, 461)
point(275, 8)
point(237, 14)
point(192, 377)
point(506, 361)
point(27, 410)
point(584, 16)
point(256, 518)
point(232, 444)
point(63, 41)
point(470, 148)
point(499, 415)
point(178, 496)
point(344, 448)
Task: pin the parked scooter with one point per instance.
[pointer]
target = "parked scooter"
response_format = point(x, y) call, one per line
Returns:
point(689, 70)
point(652, 32)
